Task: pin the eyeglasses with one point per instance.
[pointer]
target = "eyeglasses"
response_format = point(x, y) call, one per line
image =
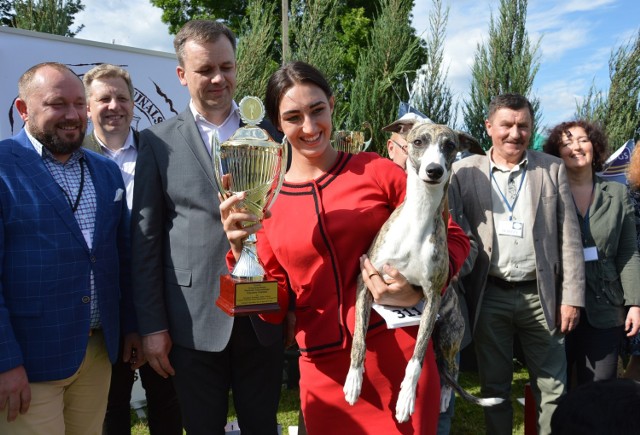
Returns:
point(402, 147)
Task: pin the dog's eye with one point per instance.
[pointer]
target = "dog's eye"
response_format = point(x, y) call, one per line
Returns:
point(417, 143)
point(449, 146)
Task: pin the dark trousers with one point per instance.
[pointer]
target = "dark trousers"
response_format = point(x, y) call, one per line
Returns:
point(163, 410)
point(505, 313)
point(592, 352)
point(253, 373)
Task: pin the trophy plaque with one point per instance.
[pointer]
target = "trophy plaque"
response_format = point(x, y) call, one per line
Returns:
point(249, 161)
point(352, 141)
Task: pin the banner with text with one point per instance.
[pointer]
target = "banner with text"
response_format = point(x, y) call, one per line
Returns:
point(158, 93)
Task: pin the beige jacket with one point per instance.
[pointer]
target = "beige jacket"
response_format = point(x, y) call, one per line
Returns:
point(557, 245)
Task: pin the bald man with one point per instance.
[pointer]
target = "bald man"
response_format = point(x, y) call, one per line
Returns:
point(64, 271)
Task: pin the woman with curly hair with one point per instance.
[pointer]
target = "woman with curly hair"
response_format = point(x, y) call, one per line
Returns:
point(612, 263)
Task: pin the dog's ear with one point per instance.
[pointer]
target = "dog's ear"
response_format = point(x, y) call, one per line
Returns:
point(401, 126)
point(469, 143)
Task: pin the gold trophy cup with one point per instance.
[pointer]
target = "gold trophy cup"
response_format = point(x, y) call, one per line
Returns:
point(352, 141)
point(252, 162)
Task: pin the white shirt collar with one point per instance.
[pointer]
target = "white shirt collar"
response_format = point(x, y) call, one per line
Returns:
point(223, 131)
point(128, 143)
point(234, 113)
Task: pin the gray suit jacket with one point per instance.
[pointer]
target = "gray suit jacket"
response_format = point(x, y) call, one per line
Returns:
point(558, 249)
point(90, 142)
point(179, 245)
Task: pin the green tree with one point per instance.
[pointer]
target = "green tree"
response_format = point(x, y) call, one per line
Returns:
point(6, 16)
point(391, 53)
point(352, 36)
point(176, 13)
point(507, 63)
point(48, 16)
point(313, 37)
point(430, 93)
point(256, 49)
point(618, 111)
point(592, 106)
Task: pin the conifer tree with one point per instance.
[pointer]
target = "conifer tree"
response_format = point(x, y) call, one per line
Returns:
point(256, 49)
point(313, 37)
point(618, 111)
point(379, 86)
point(430, 93)
point(48, 16)
point(508, 62)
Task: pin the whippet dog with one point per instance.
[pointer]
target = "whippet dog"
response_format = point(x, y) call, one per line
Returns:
point(414, 241)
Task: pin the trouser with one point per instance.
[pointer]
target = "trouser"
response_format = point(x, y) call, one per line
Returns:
point(504, 313)
point(72, 406)
point(163, 410)
point(253, 373)
point(592, 353)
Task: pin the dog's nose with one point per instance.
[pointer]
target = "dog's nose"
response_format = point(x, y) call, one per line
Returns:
point(434, 171)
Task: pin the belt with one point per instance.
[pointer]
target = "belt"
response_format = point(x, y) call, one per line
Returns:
point(499, 282)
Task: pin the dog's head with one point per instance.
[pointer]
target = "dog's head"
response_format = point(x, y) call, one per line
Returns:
point(432, 148)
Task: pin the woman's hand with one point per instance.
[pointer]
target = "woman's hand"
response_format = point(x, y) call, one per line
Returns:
point(390, 287)
point(232, 222)
point(290, 329)
point(632, 324)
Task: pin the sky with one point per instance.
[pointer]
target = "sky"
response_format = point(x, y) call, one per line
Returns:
point(576, 39)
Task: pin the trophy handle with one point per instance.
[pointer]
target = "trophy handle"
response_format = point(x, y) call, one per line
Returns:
point(217, 166)
point(283, 170)
point(367, 126)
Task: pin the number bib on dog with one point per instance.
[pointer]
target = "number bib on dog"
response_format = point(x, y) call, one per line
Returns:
point(398, 317)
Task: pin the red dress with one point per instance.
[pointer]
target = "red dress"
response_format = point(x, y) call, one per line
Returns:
point(312, 244)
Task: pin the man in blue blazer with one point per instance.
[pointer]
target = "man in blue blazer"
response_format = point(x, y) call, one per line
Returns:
point(63, 263)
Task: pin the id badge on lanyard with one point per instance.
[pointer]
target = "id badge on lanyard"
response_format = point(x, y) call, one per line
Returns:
point(510, 227)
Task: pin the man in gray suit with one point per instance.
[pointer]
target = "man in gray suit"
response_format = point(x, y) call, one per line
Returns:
point(528, 276)
point(179, 251)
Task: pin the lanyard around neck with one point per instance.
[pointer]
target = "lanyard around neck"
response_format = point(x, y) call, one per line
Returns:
point(511, 206)
point(74, 205)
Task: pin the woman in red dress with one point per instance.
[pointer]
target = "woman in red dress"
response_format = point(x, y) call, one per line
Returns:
point(325, 218)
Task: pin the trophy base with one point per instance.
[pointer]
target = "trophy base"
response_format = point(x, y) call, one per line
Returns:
point(242, 298)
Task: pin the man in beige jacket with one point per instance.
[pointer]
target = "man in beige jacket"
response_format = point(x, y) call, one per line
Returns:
point(528, 277)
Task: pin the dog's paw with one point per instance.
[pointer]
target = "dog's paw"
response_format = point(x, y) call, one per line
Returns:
point(406, 405)
point(407, 397)
point(445, 397)
point(353, 384)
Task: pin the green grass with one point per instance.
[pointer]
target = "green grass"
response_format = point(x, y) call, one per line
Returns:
point(468, 418)
point(287, 413)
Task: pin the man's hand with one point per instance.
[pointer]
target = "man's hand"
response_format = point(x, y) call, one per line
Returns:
point(632, 324)
point(569, 318)
point(132, 351)
point(156, 349)
point(15, 393)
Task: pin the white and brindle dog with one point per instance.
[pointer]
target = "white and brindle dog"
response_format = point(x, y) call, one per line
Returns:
point(414, 241)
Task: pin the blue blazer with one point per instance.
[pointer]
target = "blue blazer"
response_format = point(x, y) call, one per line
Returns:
point(45, 264)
